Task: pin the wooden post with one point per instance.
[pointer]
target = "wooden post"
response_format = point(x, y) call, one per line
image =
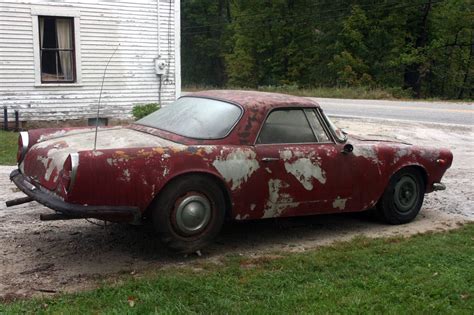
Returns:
point(5, 118)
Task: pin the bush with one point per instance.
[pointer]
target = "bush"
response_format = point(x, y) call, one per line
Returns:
point(142, 110)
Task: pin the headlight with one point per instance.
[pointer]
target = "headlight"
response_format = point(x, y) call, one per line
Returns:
point(23, 143)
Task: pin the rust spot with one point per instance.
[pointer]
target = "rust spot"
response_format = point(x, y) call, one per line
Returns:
point(159, 150)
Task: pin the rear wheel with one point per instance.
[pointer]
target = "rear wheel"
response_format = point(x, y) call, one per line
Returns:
point(403, 198)
point(189, 213)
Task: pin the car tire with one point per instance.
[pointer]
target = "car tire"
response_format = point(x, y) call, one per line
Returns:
point(189, 213)
point(402, 200)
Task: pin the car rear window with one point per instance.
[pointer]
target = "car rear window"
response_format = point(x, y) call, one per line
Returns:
point(194, 117)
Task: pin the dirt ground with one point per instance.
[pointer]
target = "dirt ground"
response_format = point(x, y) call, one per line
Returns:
point(43, 258)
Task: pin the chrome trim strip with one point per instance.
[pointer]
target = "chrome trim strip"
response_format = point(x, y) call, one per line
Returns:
point(74, 165)
point(438, 186)
point(25, 140)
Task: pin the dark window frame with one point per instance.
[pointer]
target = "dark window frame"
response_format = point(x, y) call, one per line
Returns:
point(72, 50)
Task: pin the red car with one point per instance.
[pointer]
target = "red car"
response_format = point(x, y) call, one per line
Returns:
point(219, 155)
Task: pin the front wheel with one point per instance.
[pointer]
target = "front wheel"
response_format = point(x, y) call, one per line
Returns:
point(189, 213)
point(403, 198)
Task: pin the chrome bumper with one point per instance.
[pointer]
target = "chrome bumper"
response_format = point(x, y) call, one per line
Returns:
point(71, 211)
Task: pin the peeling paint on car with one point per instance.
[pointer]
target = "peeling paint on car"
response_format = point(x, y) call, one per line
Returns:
point(400, 153)
point(304, 170)
point(367, 152)
point(239, 217)
point(277, 202)
point(339, 203)
point(126, 175)
point(286, 155)
point(237, 167)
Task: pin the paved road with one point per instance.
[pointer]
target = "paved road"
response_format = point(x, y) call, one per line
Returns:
point(434, 112)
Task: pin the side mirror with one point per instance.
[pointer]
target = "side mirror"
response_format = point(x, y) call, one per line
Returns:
point(348, 148)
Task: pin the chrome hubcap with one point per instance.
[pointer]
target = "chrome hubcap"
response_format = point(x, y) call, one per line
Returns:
point(193, 213)
point(406, 193)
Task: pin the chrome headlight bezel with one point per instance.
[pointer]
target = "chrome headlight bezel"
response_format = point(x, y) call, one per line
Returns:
point(25, 142)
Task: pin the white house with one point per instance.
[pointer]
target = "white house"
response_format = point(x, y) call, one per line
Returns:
point(53, 54)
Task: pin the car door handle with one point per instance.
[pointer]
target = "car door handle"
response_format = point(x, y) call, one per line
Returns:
point(270, 159)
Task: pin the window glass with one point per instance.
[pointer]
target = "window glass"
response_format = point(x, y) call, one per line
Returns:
point(56, 49)
point(318, 128)
point(286, 126)
point(340, 136)
point(194, 117)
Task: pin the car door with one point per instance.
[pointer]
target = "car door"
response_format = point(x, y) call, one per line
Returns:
point(305, 171)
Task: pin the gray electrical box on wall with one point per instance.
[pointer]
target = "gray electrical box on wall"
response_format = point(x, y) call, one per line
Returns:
point(160, 66)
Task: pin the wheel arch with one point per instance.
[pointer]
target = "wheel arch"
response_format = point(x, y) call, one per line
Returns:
point(417, 167)
point(218, 180)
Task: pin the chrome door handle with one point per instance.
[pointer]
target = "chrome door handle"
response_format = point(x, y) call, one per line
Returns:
point(270, 159)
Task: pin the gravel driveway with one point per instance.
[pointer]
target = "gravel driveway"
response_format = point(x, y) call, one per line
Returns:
point(41, 258)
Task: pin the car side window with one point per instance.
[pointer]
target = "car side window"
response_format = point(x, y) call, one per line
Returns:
point(317, 126)
point(286, 126)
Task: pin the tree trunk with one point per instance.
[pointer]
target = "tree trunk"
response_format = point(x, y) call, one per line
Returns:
point(468, 69)
point(413, 77)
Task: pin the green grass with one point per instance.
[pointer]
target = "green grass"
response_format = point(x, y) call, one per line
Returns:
point(8, 147)
point(431, 273)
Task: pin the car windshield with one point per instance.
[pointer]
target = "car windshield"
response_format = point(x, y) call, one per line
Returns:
point(340, 136)
point(195, 117)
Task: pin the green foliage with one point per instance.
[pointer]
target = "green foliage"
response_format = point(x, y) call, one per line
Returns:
point(425, 274)
point(8, 147)
point(420, 48)
point(142, 110)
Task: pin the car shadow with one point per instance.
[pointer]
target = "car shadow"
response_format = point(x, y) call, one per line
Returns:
point(126, 247)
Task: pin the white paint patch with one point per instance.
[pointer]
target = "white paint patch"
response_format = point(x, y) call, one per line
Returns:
point(252, 206)
point(269, 171)
point(209, 149)
point(237, 167)
point(277, 203)
point(304, 171)
point(238, 217)
point(166, 171)
point(97, 153)
point(367, 152)
point(286, 155)
point(54, 161)
point(401, 153)
point(429, 154)
point(126, 175)
point(339, 203)
point(53, 135)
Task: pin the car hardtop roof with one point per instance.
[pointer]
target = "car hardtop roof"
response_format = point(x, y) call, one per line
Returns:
point(254, 99)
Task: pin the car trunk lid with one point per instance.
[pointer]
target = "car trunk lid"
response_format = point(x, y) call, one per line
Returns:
point(44, 160)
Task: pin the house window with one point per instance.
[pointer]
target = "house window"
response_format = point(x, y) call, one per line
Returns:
point(57, 53)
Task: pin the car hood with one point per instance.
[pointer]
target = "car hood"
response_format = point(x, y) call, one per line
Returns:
point(376, 138)
point(44, 160)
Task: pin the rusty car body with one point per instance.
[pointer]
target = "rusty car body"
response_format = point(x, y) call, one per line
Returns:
point(214, 155)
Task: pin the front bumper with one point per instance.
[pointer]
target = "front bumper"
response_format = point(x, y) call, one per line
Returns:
point(74, 211)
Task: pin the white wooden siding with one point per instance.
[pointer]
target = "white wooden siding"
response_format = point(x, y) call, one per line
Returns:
point(142, 32)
